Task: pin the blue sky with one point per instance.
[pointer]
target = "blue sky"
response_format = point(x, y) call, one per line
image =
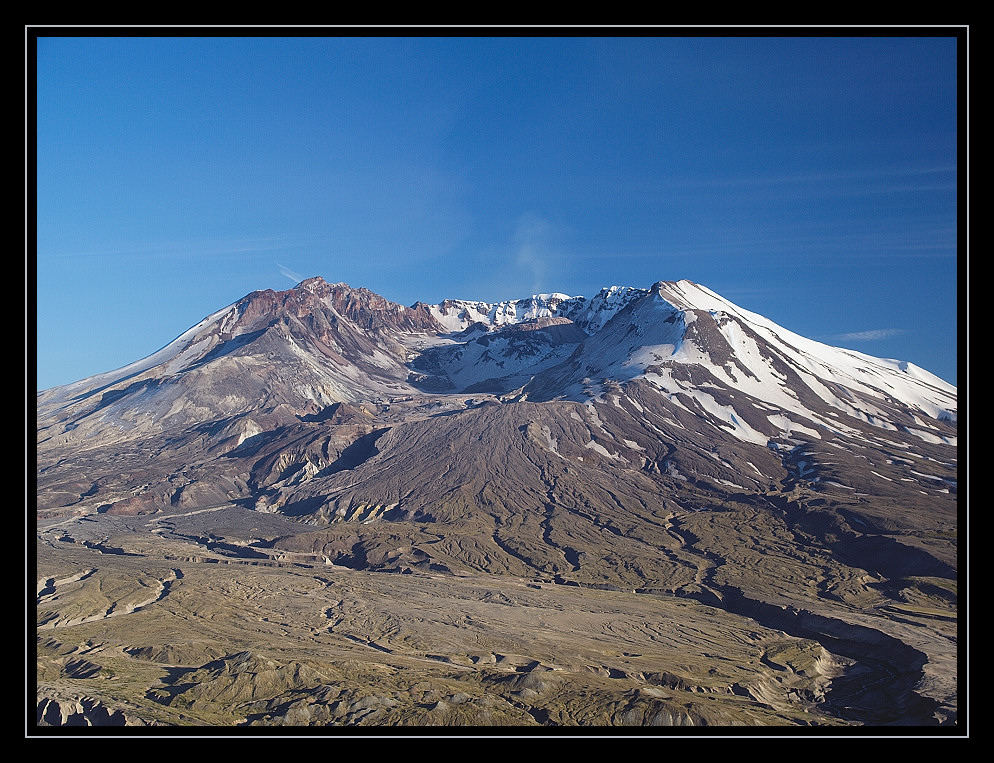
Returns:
point(810, 179)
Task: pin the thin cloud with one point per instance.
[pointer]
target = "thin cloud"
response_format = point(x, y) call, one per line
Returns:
point(870, 335)
point(196, 248)
point(295, 277)
point(536, 256)
point(868, 174)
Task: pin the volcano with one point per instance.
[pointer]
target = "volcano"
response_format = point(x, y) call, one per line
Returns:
point(649, 506)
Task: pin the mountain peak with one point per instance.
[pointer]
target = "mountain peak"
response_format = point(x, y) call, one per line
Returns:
point(676, 335)
point(316, 284)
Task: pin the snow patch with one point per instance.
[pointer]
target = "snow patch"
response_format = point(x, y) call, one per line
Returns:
point(602, 450)
point(786, 425)
point(729, 484)
point(929, 437)
point(927, 476)
point(836, 484)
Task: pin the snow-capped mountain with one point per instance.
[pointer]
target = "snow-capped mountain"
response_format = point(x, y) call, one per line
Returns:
point(292, 351)
point(655, 441)
point(687, 342)
point(320, 343)
point(590, 314)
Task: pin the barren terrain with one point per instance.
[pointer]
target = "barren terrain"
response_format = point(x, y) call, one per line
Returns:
point(648, 509)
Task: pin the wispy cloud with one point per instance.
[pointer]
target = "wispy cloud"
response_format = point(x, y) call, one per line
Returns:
point(870, 335)
point(191, 248)
point(295, 277)
point(869, 174)
point(536, 255)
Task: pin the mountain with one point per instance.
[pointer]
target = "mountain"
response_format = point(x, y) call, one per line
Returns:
point(661, 443)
